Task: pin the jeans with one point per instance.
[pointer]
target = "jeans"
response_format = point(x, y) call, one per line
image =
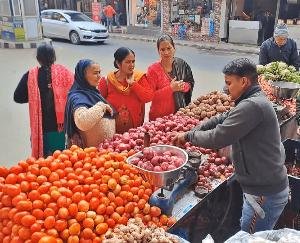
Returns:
point(272, 205)
point(117, 19)
point(109, 23)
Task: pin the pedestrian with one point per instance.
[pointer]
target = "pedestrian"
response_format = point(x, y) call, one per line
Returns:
point(103, 17)
point(279, 48)
point(252, 128)
point(88, 117)
point(45, 88)
point(109, 12)
point(171, 79)
point(118, 13)
point(127, 90)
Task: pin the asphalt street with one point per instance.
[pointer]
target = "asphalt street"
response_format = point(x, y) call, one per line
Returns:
point(14, 129)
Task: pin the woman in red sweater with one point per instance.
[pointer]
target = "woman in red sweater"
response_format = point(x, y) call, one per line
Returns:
point(127, 90)
point(171, 79)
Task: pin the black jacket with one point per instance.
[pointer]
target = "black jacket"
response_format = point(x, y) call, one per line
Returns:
point(49, 122)
point(182, 71)
point(271, 52)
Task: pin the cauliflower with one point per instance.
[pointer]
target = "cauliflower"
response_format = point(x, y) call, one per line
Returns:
point(260, 69)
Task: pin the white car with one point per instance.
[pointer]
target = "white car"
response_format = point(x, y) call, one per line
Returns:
point(72, 25)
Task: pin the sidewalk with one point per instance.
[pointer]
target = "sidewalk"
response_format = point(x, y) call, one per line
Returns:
point(222, 46)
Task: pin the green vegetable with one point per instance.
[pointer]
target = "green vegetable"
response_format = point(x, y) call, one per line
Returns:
point(279, 71)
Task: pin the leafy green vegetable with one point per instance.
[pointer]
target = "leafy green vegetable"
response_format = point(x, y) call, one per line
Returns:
point(279, 71)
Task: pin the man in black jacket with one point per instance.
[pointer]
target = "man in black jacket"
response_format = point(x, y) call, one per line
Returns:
point(279, 48)
point(252, 128)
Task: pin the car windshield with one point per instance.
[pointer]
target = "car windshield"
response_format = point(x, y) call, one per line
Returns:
point(77, 17)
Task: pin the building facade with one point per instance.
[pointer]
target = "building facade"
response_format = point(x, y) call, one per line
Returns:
point(183, 19)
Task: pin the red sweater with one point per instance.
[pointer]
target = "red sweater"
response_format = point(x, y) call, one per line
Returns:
point(140, 93)
point(163, 102)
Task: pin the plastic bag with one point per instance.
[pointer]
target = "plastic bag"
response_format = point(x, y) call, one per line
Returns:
point(208, 239)
point(280, 236)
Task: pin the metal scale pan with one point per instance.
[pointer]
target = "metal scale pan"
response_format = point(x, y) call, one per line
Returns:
point(164, 178)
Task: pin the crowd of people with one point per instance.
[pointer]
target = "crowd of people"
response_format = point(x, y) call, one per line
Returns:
point(97, 107)
point(86, 108)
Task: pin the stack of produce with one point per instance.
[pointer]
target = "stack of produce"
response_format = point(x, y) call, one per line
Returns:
point(74, 194)
point(157, 161)
point(161, 131)
point(136, 231)
point(216, 167)
point(267, 88)
point(293, 170)
point(279, 71)
point(207, 106)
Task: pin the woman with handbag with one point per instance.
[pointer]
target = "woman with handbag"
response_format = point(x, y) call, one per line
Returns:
point(127, 90)
point(45, 89)
point(171, 79)
point(88, 117)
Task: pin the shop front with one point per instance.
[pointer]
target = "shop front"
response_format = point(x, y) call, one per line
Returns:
point(253, 21)
point(193, 19)
point(289, 13)
point(19, 20)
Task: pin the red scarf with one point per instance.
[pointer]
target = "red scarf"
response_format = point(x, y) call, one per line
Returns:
point(62, 80)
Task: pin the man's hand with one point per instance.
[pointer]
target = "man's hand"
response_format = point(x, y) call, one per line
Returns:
point(179, 139)
point(298, 131)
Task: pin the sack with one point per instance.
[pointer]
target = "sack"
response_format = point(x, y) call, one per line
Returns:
point(76, 139)
point(123, 120)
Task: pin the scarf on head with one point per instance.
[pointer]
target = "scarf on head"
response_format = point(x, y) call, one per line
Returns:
point(250, 91)
point(125, 89)
point(82, 94)
point(61, 79)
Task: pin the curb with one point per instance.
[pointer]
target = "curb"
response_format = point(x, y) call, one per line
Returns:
point(23, 45)
point(203, 46)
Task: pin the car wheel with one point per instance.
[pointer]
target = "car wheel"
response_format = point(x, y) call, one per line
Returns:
point(74, 38)
point(100, 42)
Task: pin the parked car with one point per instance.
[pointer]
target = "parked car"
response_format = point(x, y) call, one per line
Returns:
point(72, 25)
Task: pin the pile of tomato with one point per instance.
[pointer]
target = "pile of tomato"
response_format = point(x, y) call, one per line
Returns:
point(75, 195)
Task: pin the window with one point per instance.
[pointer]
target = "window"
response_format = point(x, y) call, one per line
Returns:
point(58, 17)
point(77, 17)
point(46, 15)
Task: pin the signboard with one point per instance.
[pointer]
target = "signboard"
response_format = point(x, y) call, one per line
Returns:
point(7, 29)
point(96, 11)
point(19, 29)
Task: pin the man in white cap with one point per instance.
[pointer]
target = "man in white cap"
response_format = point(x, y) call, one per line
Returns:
point(279, 48)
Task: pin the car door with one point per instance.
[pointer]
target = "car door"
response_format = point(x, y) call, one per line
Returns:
point(46, 23)
point(60, 26)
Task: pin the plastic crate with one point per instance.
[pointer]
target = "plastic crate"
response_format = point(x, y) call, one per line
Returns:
point(292, 151)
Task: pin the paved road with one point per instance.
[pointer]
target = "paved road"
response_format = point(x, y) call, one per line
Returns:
point(14, 129)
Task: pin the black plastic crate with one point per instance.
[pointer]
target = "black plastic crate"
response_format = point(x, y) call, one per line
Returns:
point(292, 152)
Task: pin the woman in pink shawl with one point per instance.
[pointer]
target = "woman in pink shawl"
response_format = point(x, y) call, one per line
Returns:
point(45, 88)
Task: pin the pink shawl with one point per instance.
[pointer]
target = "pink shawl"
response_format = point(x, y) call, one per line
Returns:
point(62, 80)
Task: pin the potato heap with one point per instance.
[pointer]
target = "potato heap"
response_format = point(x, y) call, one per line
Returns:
point(136, 231)
point(207, 106)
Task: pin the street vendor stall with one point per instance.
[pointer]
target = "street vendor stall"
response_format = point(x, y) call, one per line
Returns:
point(98, 193)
